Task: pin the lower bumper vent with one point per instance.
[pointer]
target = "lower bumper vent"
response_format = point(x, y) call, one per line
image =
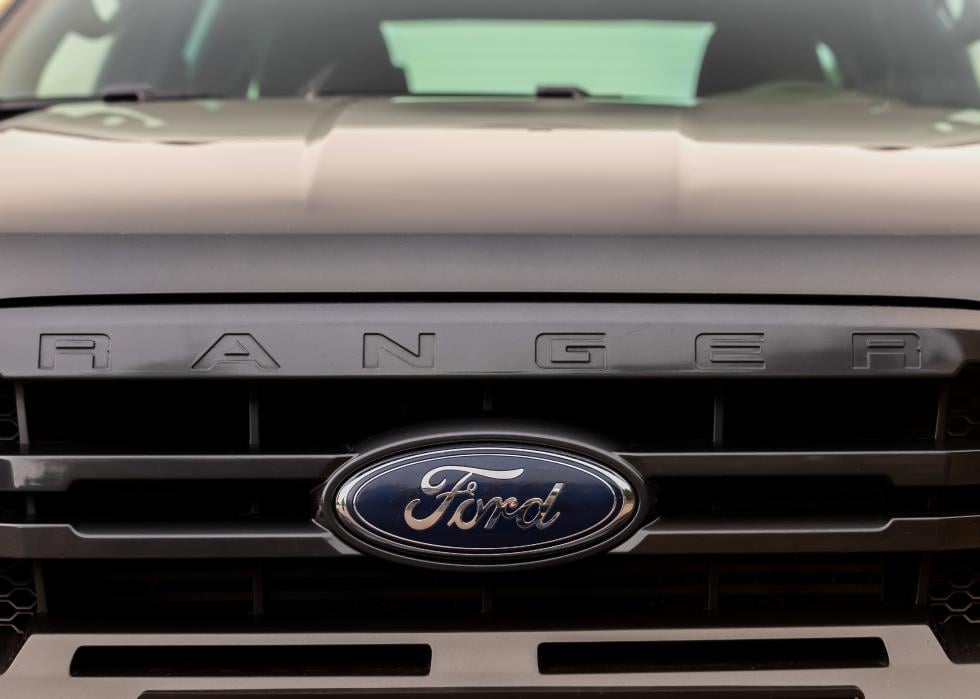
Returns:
point(711, 656)
point(253, 661)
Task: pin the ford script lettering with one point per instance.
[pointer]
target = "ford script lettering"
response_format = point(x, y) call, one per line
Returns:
point(472, 510)
point(482, 505)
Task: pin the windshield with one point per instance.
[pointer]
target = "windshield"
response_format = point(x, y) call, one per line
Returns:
point(673, 52)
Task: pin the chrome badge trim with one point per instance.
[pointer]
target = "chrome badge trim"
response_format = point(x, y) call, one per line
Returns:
point(505, 503)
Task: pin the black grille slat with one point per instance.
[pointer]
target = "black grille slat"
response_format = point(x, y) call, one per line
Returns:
point(294, 500)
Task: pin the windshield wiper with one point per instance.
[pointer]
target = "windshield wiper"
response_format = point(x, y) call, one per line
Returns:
point(543, 92)
point(139, 92)
point(134, 94)
point(16, 107)
point(563, 92)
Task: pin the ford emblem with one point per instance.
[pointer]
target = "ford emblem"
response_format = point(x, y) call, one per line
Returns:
point(482, 505)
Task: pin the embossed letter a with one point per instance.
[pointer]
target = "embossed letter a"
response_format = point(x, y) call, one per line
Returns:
point(236, 350)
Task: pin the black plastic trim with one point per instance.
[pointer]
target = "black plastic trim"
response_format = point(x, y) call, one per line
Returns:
point(904, 468)
point(666, 536)
point(396, 660)
point(54, 472)
point(711, 656)
point(817, 535)
point(31, 473)
point(62, 541)
point(536, 692)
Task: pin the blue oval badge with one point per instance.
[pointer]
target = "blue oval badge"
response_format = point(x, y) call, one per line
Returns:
point(482, 505)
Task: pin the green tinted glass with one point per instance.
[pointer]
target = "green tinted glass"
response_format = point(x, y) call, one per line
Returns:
point(658, 61)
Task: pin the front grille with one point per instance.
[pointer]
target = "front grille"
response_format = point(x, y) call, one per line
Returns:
point(157, 420)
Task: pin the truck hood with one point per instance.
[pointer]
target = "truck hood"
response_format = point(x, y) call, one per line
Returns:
point(785, 194)
point(771, 163)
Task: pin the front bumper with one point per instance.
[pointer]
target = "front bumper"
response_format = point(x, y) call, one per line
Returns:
point(507, 661)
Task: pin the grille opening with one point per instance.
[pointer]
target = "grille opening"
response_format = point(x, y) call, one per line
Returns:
point(297, 588)
point(961, 642)
point(18, 606)
point(10, 644)
point(711, 656)
point(960, 500)
point(344, 592)
point(831, 414)
point(963, 409)
point(854, 582)
point(125, 415)
point(13, 507)
point(18, 601)
point(172, 502)
point(954, 589)
point(338, 415)
point(253, 661)
point(9, 430)
point(785, 497)
point(151, 590)
point(954, 601)
point(635, 413)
